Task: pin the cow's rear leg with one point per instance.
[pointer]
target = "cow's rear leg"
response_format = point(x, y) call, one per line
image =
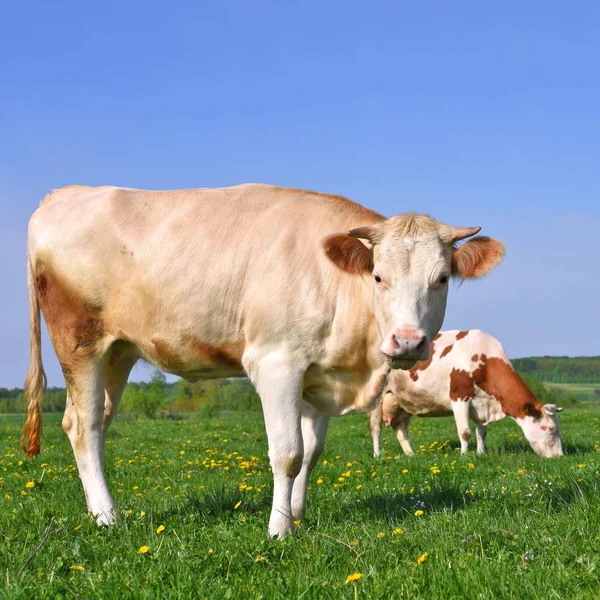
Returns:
point(460, 408)
point(375, 425)
point(314, 431)
point(121, 359)
point(83, 424)
point(481, 432)
point(278, 380)
point(401, 428)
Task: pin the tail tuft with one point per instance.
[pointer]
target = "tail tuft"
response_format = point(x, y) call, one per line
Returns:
point(35, 384)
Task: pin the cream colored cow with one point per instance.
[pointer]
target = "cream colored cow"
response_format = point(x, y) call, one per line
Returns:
point(468, 375)
point(313, 296)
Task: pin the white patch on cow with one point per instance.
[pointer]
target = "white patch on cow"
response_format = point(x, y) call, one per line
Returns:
point(409, 243)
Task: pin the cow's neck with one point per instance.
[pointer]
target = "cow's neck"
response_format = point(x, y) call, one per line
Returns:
point(359, 353)
point(496, 377)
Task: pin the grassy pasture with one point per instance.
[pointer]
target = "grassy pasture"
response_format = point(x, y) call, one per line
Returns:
point(505, 525)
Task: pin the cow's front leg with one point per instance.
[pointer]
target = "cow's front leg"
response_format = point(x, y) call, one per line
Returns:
point(278, 380)
point(375, 426)
point(314, 432)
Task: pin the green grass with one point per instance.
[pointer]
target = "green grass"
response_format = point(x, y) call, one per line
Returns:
point(505, 525)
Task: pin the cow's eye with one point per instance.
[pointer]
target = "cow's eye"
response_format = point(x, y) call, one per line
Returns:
point(377, 279)
point(444, 280)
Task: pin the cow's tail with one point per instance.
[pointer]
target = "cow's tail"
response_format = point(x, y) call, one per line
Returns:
point(35, 384)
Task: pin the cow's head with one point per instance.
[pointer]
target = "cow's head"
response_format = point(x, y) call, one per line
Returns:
point(409, 260)
point(543, 431)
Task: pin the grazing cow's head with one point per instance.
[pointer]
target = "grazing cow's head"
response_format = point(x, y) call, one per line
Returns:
point(543, 431)
point(410, 259)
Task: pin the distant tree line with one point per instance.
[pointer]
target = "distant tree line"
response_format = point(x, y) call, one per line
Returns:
point(560, 369)
point(157, 397)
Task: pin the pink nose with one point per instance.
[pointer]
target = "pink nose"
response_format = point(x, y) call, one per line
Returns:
point(409, 344)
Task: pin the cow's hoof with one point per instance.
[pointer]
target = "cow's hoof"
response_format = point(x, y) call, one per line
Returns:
point(106, 518)
point(281, 527)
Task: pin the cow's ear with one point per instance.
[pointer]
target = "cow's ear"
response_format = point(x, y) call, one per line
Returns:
point(476, 257)
point(348, 253)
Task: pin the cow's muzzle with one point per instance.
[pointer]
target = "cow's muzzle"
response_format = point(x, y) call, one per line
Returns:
point(405, 347)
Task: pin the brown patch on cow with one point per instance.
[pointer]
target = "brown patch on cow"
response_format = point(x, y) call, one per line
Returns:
point(348, 253)
point(446, 350)
point(215, 355)
point(461, 385)
point(498, 379)
point(477, 257)
point(475, 357)
point(88, 331)
point(423, 364)
point(166, 356)
point(291, 466)
point(461, 334)
point(75, 324)
point(67, 374)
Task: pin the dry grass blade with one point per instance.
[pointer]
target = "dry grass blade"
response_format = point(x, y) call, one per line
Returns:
point(46, 536)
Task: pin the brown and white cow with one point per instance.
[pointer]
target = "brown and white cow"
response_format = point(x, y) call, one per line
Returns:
point(469, 375)
point(313, 296)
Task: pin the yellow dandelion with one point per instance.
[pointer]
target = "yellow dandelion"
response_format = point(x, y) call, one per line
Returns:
point(397, 531)
point(160, 529)
point(353, 543)
point(297, 522)
point(353, 577)
point(210, 551)
point(422, 558)
point(319, 481)
point(30, 484)
point(77, 527)
point(7, 496)
point(239, 503)
point(358, 487)
point(405, 470)
point(380, 535)
point(143, 550)
point(418, 513)
point(142, 514)
point(259, 559)
point(76, 568)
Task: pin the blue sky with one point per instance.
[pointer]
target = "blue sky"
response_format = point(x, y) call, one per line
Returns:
point(478, 113)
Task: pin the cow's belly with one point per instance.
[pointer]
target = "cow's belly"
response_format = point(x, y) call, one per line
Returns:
point(422, 403)
point(178, 355)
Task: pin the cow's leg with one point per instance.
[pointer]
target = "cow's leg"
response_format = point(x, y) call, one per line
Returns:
point(460, 408)
point(375, 426)
point(481, 432)
point(278, 380)
point(118, 368)
point(83, 424)
point(401, 427)
point(314, 431)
